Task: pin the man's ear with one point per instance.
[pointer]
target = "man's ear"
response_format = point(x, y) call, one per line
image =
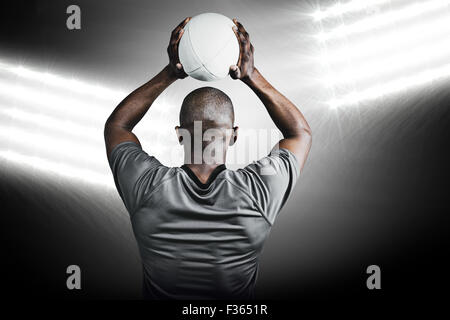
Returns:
point(180, 137)
point(234, 135)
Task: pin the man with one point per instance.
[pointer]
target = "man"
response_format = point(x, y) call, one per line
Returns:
point(200, 228)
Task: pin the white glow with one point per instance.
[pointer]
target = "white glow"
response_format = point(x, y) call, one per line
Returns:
point(347, 7)
point(417, 56)
point(417, 35)
point(413, 50)
point(64, 83)
point(55, 103)
point(89, 134)
point(73, 151)
point(56, 124)
point(61, 169)
point(85, 112)
point(381, 20)
point(394, 86)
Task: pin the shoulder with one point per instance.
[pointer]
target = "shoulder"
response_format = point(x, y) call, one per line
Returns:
point(277, 162)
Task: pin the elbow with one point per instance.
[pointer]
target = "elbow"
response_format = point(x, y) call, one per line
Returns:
point(109, 124)
point(111, 127)
point(306, 135)
point(301, 132)
point(302, 135)
point(112, 124)
point(106, 128)
point(307, 132)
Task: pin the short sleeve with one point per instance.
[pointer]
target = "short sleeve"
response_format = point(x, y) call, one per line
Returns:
point(271, 180)
point(135, 173)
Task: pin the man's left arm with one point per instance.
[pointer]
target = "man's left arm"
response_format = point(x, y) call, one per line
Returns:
point(119, 126)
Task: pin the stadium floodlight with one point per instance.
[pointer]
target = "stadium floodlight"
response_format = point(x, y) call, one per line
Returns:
point(59, 168)
point(347, 7)
point(55, 124)
point(63, 82)
point(400, 47)
point(78, 109)
point(401, 39)
point(87, 133)
point(393, 86)
point(55, 103)
point(381, 20)
point(74, 151)
point(390, 64)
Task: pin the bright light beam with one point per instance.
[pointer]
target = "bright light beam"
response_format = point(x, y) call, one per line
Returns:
point(89, 134)
point(394, 86)
point(382, 20)
point(61, 169)
point(86, 113)
point(51, 103)
point(387, 64)
point(342, 8)
point(65, 106)
point(72, 151)
point(399, 39)
point(64, 83)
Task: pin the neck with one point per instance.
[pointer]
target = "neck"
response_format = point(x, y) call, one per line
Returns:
point(204, 159)
point(204, 169)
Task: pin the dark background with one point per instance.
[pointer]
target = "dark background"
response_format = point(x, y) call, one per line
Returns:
point(374, 191)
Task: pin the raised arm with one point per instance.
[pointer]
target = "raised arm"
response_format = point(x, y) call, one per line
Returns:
point(119, 126)
point(286, 116)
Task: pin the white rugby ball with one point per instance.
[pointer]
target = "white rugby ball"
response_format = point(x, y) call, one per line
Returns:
point(208, 47)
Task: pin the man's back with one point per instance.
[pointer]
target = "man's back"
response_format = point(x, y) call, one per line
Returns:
point(201, 241)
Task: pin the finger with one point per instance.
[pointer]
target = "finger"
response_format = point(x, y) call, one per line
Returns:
point(176, 35)
point(235, 72)
point(242, 30)
point(237, 23)
point(176, 57)
point(240, 26)
point(236, 32)
point(176, 44)
point(232, 72)
point(180, 34)
point(170, 52)
point(243, 39)
point(180, 68)
point(174, 47)
point(240, 45)
point(243, 42)
point(180, 27)
point(184, 22)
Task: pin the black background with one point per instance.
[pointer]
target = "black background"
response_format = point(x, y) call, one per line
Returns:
point(392, 165)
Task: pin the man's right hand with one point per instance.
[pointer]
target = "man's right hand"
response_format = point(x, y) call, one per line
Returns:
point(245, 67)
point(286, 116)
point(172, 50)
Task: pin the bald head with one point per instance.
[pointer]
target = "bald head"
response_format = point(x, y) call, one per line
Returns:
point(206, 126)
point(209, 105)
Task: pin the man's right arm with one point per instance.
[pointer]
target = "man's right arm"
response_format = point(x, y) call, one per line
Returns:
point(289, 120)
point(297, 136)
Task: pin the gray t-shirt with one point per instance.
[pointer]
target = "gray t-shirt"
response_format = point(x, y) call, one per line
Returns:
point(201, 241)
